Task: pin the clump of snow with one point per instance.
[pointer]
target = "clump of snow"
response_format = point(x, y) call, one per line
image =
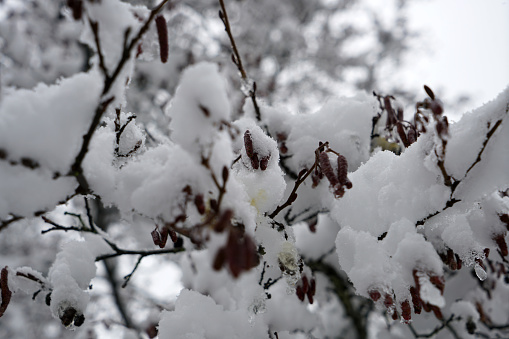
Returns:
point(266, 187)
point(199, 107)
point(70, 276)
point(344, 122)
point(197, 316)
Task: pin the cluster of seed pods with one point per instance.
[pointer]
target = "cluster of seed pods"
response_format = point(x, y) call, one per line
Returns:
point(338, 181)
point(256, 162)
point(306, 288)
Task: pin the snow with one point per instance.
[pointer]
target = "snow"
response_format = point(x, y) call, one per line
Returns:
point(197, 316)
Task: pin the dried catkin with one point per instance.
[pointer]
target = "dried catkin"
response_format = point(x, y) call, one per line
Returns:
point(162, 33)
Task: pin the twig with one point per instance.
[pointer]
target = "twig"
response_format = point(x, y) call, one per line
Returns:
point(343, 291)
point(237, 60)
point(437, 329)
point(119, 252)
point(5, 223)
point(300, 179)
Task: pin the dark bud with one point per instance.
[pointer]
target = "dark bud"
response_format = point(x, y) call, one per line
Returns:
point(402, 134)
point(459, 263)
point(436, 107)
point(225, 174)
point(300, 293)
point(156, 237)
point(48, 299)
point(173, 235)
point(3, 154)
point(164, 237)
point(348, 184)
point(254, 161)
point(199, 203)
point(416, 300)
point(219, 259)
point(505, 219)
point(388, 301)
point(27, 162)
point(179, 243)
point(68, 317)
point(411, 136)
point(76, 7)
point(248, 143)
point(79, 320)
point(162, 34)
point(374, 295)
point(224, 221)
point(5, 292)
point(471, 327)
point(204, 110)
point(395, 315)
point(406, 311)
point(502, 245)
point(429, 92)
point(292, 197)
point(213, 205)
point(264, 162)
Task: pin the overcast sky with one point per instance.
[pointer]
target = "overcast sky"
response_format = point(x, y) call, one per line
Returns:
point(468, 49)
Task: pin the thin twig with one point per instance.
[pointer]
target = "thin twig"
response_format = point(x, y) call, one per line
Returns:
point(300, 179)
point(5, 223)
point(237, 60)
point(119, 252)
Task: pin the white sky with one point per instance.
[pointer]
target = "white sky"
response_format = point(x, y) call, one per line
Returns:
point(468, 48)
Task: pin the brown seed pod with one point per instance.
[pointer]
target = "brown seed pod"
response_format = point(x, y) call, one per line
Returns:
point(162, 34)
point(199, 203)
point(388, 301)
point(248, 143)
point(254, 161)
point(76, 7)
point(374, 295)
point(4, 289)
point(416, 300)
point(406, 311)
point(342, 170)
point(502, 245)
point(411, 136)
point(327, 170)
point(429, 92)
point(264, 162)
point(219, 260)
point(300, 293)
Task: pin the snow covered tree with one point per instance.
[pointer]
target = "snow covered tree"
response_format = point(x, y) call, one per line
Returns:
point(128, 135)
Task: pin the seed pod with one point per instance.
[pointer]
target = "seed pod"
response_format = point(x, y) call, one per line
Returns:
point(327, 169)
point(173, 235)
point(248, 143)
point(219, 259)
point(225, 174)
point(76, 7)
point(162, 34)
point(213, 205)
point(406, 311)
point(411, 136)
point(79, 320)
point(374, 295)
point(300, 293)
point(388, 301)
point(156, 238)
point(416, 300)
point(224, 221)
point(402, 134)
point(48, 299)
point(5, 292)
point(342, 169)
point(502, 245)
point(254, 161)
point(429, 92)
point(264, 162)
point(199, 203)
point(68, 316)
